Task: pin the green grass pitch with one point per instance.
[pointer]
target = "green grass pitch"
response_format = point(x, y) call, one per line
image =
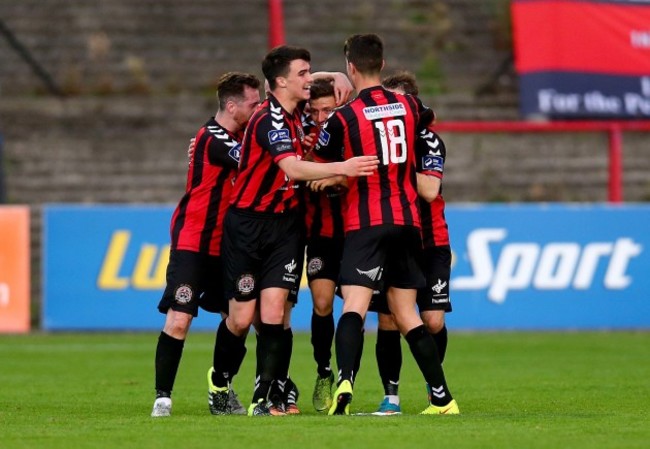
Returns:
point(515, 390)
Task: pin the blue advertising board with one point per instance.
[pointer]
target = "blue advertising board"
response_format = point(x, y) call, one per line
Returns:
point(515, 267)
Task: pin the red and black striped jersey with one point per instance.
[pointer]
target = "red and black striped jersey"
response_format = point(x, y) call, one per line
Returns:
point(197, 222)
point(431, 155)
point(323, 210)
point(271, 135)
point(381, 123)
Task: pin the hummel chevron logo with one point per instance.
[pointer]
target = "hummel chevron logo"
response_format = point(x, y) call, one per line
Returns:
point(276, 114)
point(218, 133)
point(426, 134)
point(373, 273)
point(438, 392)
point(434, 146)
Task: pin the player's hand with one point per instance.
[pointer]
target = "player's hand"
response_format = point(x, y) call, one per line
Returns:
point(342, 88)
point(361, 165)
point(308, 142)
point(190, 149)
point(321, 184)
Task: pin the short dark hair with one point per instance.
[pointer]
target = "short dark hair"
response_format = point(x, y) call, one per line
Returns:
point(277, 62)
point(321, 87)
point(365, 51)
point(231, 85)
point(403, 80)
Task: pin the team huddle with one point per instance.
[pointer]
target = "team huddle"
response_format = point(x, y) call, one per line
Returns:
point(352, 186)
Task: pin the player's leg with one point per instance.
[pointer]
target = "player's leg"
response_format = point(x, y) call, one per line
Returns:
point(180, 304)
point(228, 354)
point(240, 284)
point(288, 387)
point(423, 348)
point(323, 262)
point(434, 300)
point(361, 268)
point(406, 278)
point(388, 351)
point(213, 300)
point(434, 321)
point(271, 343)
point(281, 269)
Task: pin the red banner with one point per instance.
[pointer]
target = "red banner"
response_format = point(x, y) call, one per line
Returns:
point(583, 58)
point(582, 36)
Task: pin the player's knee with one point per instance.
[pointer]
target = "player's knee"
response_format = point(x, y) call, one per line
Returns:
point(238, 324)
point(177, 324)
point(323, 306)
point(433, 321)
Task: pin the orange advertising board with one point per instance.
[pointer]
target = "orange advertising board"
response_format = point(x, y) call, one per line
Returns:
point(14, 269)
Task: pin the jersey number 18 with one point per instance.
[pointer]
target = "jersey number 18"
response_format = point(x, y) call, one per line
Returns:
point(393, 141)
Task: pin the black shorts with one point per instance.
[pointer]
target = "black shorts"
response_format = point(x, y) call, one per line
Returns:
point(436, 266)
point(261, 251)
point(193, 280)
point(324, 258)
point(382, 256)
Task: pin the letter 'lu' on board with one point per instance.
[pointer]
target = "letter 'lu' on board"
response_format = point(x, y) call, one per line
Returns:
point(148, 272)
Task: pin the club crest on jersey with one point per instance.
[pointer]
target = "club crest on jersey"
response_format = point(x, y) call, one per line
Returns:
point(314, 266)
point(279, 135)
point(431, 162)
point(384, 111)
point(245, 284)
point(183, 294)
point(323, 138)
point(235, 152)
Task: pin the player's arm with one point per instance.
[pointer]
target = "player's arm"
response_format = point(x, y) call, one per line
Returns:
point(428, 186)
point(308, 171)
point(430, 156)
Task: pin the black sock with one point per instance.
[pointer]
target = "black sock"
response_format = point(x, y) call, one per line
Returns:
point(441, 339)
point(280, 384)
point(270, 342)
point(357, 362)
point(287, 350)
point(426, 355)
point(322, 335)
point(229, 352)
point(389, 359)
point(349, 339)
point(168, 358)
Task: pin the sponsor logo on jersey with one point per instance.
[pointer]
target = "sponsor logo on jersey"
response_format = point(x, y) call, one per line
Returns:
point(183, 294)
point(279, 135)
point(323, 138)
point(431, 162)
point(235, 152)
point(384, 111)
